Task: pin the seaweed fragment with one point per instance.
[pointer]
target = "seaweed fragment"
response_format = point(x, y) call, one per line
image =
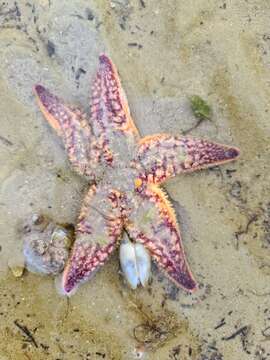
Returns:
point(244, 231)
point(266, 332)
point(50, 47)
point(200, 108)
point(89, 14)
point(5, 141)
point(220, 324)
point(134, 44)
point(154, 334)
point(142, 2)
point(27, 333)
point(243, 332)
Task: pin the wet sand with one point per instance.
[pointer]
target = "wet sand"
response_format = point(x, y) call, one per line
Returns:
point(165, 51)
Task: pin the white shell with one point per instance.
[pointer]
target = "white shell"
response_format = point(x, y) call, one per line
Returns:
point(135, 263)
point(143, 263)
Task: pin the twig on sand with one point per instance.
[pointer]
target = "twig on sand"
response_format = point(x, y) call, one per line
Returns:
point(26, 332)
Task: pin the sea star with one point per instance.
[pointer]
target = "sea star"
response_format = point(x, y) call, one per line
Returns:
point(126, 172)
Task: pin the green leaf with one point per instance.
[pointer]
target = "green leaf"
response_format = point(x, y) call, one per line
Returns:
point(200, 108)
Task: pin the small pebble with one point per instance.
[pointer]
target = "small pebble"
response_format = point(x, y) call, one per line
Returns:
point(17, 269)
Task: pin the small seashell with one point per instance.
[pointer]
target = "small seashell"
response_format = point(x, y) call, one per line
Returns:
point(16, 266)
point(135, 262)
point(128, 263)
point(62, 235)
point(46, 245)
point(143, 260)
point(17, 271)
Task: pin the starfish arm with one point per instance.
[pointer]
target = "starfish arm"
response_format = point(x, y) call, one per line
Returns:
point(72, 126)
point(98, 230)
point(162, 156)
point(110, 113)
point(155, 226)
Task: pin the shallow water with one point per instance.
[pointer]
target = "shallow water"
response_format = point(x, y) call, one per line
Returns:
point(165, 51)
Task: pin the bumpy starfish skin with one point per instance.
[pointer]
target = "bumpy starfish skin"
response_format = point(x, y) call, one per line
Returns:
point(83, 149)
point(127, 171)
